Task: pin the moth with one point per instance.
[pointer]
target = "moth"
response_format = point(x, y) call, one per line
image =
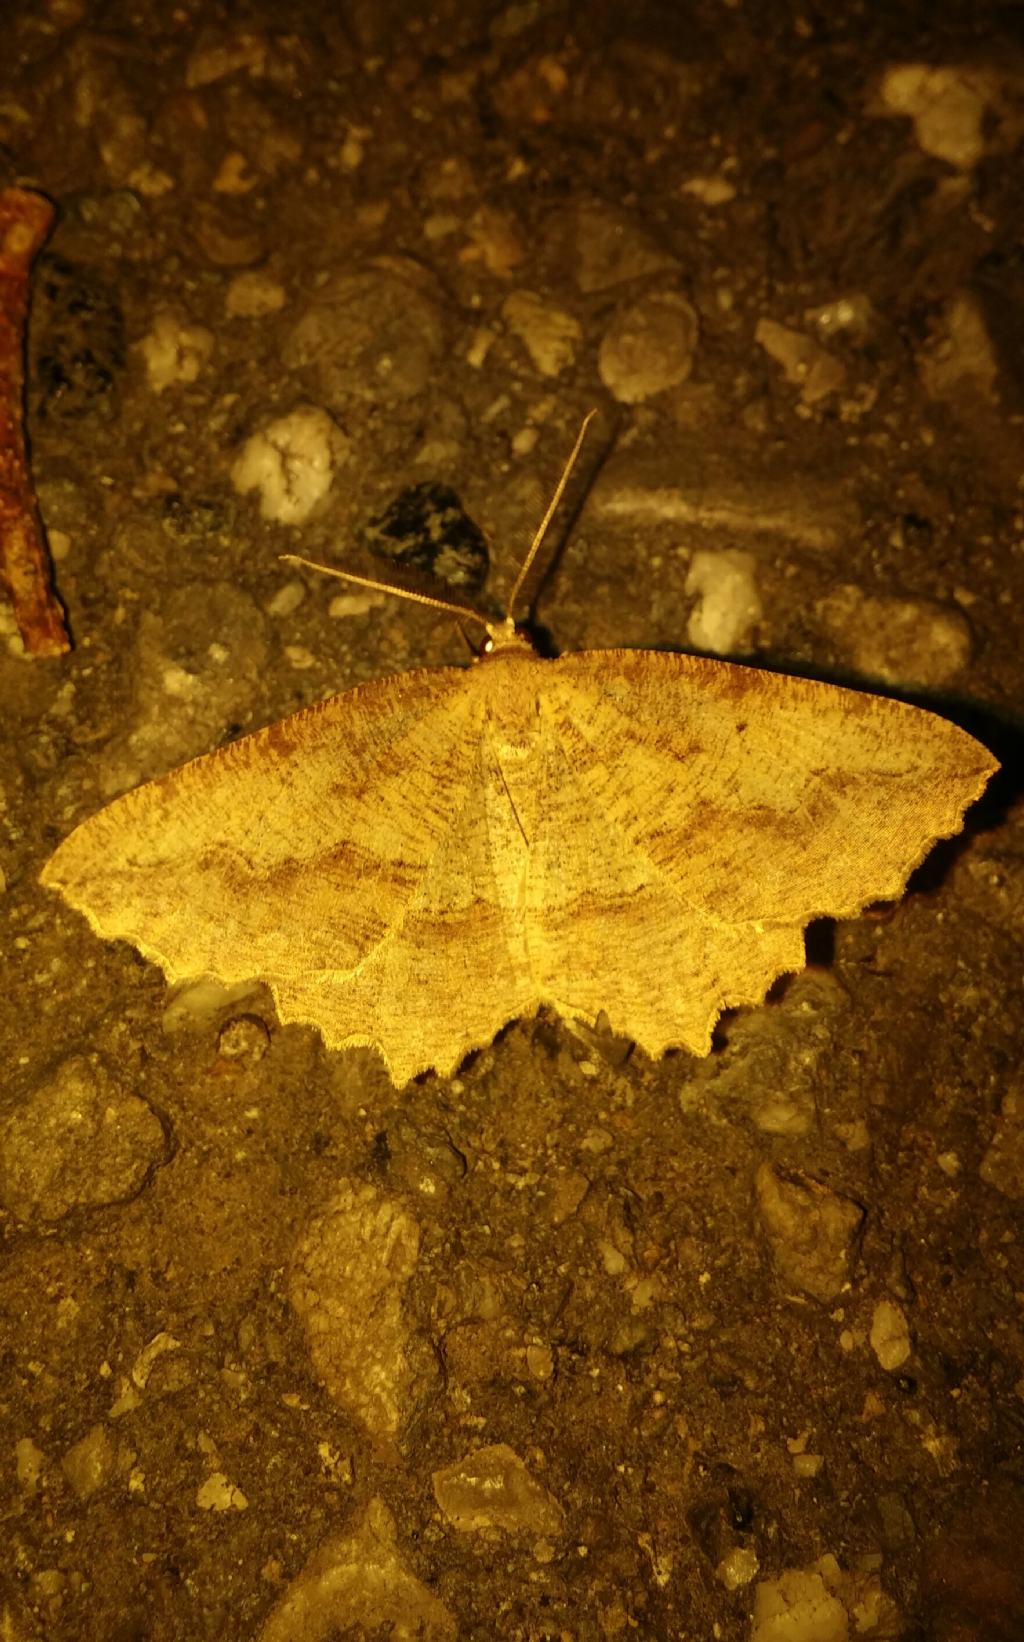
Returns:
point(418, 861)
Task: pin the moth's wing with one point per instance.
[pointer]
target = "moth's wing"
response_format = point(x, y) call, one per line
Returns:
point(454, 968)
point(291, 850)
point(725, 808)
point(343, 855)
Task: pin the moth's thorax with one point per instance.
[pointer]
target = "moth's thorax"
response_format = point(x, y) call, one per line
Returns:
point(510, 677)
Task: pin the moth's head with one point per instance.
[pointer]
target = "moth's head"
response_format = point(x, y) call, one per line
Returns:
point(504, 636)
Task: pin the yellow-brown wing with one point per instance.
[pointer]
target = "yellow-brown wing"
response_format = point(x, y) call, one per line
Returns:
point(292, 850)
point(453, 968)
point(705, 813)
point(353, 856)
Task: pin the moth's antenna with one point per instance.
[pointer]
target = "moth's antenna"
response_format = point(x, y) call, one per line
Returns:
point(457, 610)
point(552, 509)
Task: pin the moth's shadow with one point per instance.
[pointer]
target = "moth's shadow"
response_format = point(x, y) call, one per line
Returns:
point(541, 638)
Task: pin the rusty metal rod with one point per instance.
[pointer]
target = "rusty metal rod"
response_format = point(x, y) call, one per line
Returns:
point(25, 569)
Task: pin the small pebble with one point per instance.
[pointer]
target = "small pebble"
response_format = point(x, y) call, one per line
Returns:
point(807, 1465)
point(245, 1037)
point(300, 657)
point(253, 295)
point(648, 347)
point(29, 1462)
point(287, 599)
point(727, 607)
point(807, 365)
point(1002, 1167)
point(899, 641)
point(91, 1464)
point(711, 190)
point(811, 1230)
point(738, 1568)
point(344, 605)
point(492, 1488)
point(948, 106)
point(357, 1584)
point(291, 464)
point(890, 1335)
point(218, 1493)
point(79, 1140)
point(550, 335)
point(612, 249)
point(175, 352)
point(347, 1284)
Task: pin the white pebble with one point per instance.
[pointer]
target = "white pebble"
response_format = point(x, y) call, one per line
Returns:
point(728, 606)
point(291, 463)
point(174, 352)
